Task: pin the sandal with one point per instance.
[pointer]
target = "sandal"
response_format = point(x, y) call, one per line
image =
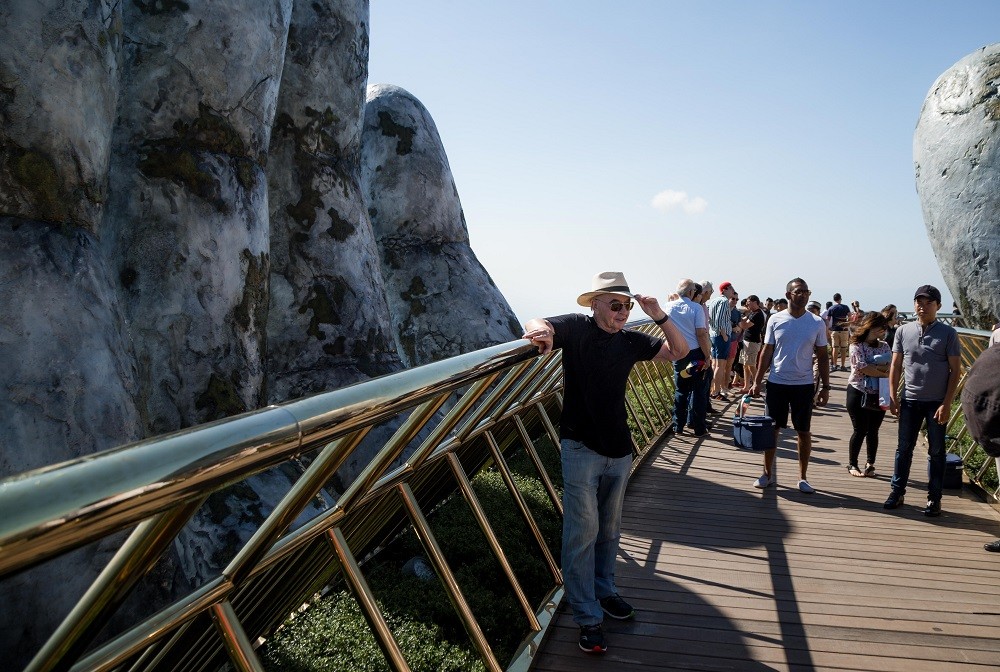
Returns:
point(854, 471)
point(869, 470)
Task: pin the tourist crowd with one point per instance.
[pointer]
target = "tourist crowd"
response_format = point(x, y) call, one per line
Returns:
point(723, 348)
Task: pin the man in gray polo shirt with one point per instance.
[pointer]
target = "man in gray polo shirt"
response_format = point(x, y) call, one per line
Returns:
point(926, 353)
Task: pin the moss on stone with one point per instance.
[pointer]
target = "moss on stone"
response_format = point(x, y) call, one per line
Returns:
point(128, 276)
point(178, 158)
point(36, 173)
point(404, 134)
point(323, 311)
point(408, 342)
point(337, 348)
point(304, 212)
point(161, 160)
point(218, 508)
point(251, 313)
point(340, 229)
point(245, 174)
point(415, 294)
point(154, 7)
point(990, 100)
point(220, 399)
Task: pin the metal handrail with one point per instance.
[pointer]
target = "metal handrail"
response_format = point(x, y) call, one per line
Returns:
point(497, 399)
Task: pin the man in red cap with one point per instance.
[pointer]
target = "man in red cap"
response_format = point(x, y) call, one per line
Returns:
point(720, 331)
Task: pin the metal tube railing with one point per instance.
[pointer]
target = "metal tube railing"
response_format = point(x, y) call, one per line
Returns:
point(507, 395)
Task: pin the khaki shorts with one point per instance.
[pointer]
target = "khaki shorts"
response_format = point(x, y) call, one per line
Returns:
point(841, 339)
point(750, 352)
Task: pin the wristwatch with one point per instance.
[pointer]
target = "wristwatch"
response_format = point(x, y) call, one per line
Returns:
point(662, 319)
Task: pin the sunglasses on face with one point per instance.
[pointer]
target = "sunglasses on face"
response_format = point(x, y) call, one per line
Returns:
point(617, 305)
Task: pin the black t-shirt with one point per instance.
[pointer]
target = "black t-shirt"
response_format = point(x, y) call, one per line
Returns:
point(596, 366)
point(755, 333)
point(839, 314)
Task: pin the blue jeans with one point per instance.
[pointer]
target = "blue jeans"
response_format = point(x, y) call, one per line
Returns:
point(593, 492)
point(911, 416)
point(690, 400)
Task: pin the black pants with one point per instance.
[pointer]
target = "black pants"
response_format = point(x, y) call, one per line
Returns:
point(866, 423)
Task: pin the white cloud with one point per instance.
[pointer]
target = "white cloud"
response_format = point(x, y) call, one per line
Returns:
point(670, 199)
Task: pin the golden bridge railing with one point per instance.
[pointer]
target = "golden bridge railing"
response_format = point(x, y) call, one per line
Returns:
point(979, 468)
point(451, 419)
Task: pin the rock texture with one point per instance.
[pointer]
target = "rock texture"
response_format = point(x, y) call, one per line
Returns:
point(185, 235)
point(187, 226)
point(442, 300)
point(956, 152)
point(329, 323)
point(67, 375)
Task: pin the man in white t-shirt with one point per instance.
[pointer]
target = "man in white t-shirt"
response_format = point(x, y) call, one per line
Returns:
point(791, 339)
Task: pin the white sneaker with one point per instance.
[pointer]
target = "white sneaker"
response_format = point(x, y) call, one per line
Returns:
point(805, 487)
point(764, 481)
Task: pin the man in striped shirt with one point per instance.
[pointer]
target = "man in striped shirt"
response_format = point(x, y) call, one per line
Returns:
point(720, 331)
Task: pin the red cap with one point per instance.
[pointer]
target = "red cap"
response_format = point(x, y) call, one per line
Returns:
point(724, 286)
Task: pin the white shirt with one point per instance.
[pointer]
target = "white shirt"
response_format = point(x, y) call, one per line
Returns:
point(687, 316)
point(794, 340)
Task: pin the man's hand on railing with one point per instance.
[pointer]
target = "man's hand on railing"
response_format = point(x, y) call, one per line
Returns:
point(540, 333)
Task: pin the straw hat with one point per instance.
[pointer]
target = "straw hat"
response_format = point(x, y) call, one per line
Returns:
point(608, 282)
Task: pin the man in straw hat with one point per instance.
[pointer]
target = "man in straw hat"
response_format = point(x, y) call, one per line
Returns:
point(598, 354)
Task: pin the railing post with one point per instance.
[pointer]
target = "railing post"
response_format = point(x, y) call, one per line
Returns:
point(522, 506)
point(529, 448)
point(484, 524)
point(136, 556)
point(444, 572)
point(366, 600)
point(237, 643)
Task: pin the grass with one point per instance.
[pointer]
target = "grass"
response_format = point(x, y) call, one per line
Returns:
point(333, 636)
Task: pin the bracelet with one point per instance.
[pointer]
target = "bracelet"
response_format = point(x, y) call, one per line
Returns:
point(662, 320)
point(825, 387)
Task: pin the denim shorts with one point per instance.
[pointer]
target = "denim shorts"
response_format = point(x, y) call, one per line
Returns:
point(720, 347)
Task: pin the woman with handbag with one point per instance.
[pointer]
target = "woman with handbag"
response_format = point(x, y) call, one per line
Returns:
point(869, 361)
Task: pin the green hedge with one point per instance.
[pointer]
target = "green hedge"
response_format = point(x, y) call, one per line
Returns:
point(332, 635)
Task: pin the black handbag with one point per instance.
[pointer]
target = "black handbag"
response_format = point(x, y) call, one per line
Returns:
point(870, 400)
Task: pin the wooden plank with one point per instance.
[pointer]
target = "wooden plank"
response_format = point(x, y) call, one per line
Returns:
point(728, 577)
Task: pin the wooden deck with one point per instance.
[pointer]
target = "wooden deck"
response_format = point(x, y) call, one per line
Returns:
point(727, 577)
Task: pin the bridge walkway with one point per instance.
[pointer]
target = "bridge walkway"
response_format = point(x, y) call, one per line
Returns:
point(727, 577)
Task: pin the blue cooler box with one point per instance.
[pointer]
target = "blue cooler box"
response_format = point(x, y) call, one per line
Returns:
point(752, 432)
point(953, 468)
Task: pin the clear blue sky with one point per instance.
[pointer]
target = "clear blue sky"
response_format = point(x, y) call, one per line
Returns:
point(743, 141)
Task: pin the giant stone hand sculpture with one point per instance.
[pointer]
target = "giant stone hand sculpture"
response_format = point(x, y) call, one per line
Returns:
point(956, 152)
point(185, 235)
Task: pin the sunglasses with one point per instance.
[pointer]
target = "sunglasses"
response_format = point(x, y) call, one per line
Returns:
point(617, 305)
